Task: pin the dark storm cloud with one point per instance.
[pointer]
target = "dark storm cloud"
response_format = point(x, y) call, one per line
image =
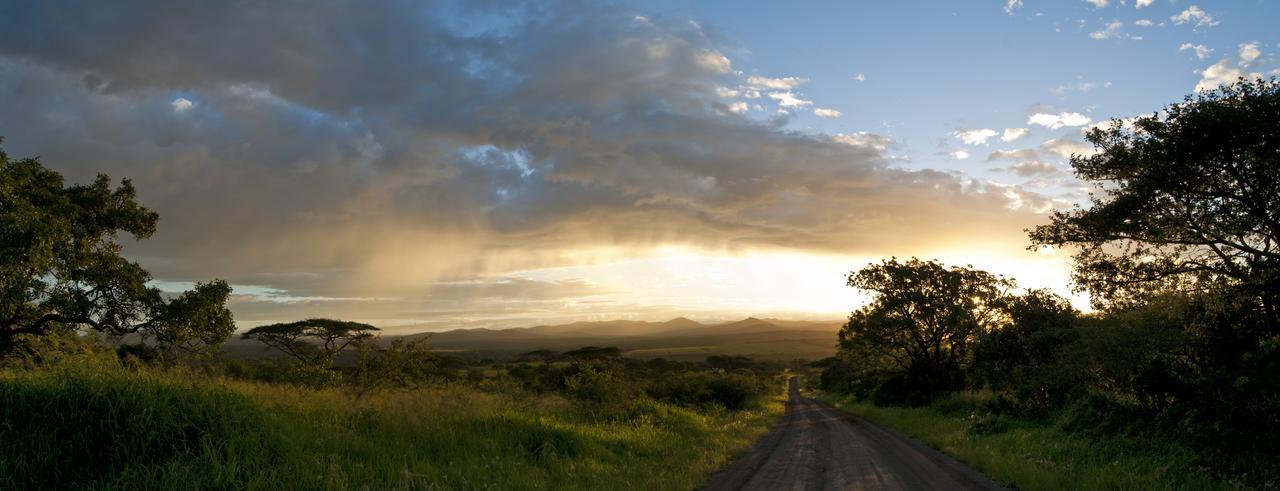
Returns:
point(311, 146)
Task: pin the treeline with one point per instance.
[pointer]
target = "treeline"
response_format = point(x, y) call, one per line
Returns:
point(1179, 251)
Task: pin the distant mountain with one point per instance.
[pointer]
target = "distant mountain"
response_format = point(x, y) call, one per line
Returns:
point(676, 338)
point(679, 338)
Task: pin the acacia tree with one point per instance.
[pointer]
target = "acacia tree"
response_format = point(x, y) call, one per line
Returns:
point(61, 265)
point(315, 342)
point(920, 324)
point(1186, 201)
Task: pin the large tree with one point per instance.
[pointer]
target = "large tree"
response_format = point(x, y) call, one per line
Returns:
point(61, 265)
point(921, 322)
point(1187, 200)
point(315, 342)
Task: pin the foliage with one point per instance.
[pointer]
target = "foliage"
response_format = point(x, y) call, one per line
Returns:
point(167, 428)
point(314, 342)
point(405, 363)
point(1188, 200)
point(1023, 359)
point(60, 265)
point(593, 352)
point(916, 333)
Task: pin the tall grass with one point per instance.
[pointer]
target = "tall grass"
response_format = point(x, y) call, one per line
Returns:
point(1035, 454)
point(118, 429)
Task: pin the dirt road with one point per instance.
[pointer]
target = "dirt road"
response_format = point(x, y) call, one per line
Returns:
point(815, 446)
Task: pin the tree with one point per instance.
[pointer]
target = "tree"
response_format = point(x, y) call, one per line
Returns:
point(315, 342)
point(1022, 359)
point(61, 265)
point(917, 330)
point(1187, 201)
point(1186, 226)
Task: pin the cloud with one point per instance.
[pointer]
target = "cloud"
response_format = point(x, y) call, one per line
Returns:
point(976, 136)
point(960, 154)
point(1195, 16)
point(181, 105)
point(1112, 30)
point(860, 78)
point(784, 83)
point(823, 112)
point(1249, 52)
point(789, 100)
point(1143, 23)
point(1020, 154)
point(1013, 134)
point(383, 151)
point(1222, 73)
point(1011, 5)
point(1065, 147)
point(879, 143)
point(1099, 3)
point(738, 107)
point(1055, 121)
point(1032, 168)
point(1200, 50)
point(1143, 3)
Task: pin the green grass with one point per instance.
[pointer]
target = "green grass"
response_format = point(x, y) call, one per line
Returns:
point(116, 429)
point(1041, 455)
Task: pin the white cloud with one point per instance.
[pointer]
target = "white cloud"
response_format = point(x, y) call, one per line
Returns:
point(1065, 148)
point(181, 105)
point(1099, 3)
point(1114, 29)
point(1013, 134)
point(823, 112)
point(788, 99)
point(784, 83)
point(975, 137)
point(873, 141)
point(1142, 23)
point(1055, 121)
point(1195, 15)
point(1222, 72)
point(1143, 3)
point(727, 92)
point(1249, 52)
point(860, 77)
point(714, 61)
point(1201, 50)
point(1012, 5)
point(1032, 168)
point(738, 107)
point(960, 154)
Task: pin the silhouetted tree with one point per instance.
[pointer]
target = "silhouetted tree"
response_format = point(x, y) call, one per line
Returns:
point(315, 342)
point(917, 330)
point(1022, 359)
point(61, 268)
point(1188, 200)
point(1186, 221)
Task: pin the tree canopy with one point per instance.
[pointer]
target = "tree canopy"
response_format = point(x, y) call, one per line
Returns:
point(312, 341)
point(61, 265)
point(921, 321)
point(1186, 200)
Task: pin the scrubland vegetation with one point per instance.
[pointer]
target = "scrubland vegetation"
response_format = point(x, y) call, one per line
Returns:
point(1173, 381)
point(74, 414)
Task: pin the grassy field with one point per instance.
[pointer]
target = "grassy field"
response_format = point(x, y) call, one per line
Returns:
point(1042, 455)
point(150, 429)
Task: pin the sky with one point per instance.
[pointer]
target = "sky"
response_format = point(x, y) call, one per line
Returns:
point(433, 165)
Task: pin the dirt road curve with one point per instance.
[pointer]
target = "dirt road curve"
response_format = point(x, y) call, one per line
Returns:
point(815, 446)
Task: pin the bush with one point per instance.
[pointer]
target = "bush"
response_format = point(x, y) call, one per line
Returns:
point(84, 427)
